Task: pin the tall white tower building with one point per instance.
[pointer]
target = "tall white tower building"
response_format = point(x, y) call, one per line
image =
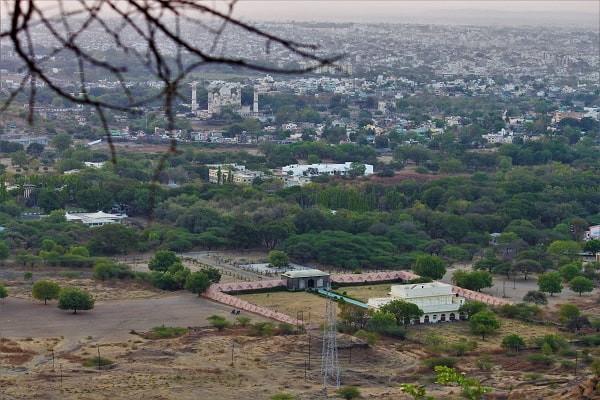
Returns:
point(255, 105)
point(194, 100)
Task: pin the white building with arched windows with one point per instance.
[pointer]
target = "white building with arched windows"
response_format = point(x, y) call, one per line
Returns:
point(436, 299)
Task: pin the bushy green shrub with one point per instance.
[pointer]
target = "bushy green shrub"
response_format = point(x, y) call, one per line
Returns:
point(286, 329)
point(433, 362)
point(262, 329)
point(555, 342)
point(167, 332)
point(540, 359)
point(95, 361)
point(370, 337)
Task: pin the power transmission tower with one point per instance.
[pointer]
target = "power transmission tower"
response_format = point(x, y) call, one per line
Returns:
point(329, 358)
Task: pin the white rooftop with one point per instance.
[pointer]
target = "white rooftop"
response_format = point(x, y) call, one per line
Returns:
point(304, 273)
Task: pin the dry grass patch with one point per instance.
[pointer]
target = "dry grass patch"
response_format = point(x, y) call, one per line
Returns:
point(364, 293)
point(311, 305)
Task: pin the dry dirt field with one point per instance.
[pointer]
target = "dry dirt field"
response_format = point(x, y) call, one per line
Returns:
point(42, 350)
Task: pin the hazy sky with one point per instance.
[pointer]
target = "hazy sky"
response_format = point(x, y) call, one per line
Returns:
point(403, 10)
point(551, 12)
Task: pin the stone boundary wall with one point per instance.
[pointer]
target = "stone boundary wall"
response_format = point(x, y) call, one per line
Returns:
point(218, 292)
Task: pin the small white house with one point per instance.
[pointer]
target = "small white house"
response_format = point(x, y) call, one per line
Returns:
point(592, 233)
point(436, 299)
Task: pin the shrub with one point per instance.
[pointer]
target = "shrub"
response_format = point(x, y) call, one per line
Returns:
point(533, 376)
point(567, 365)
point(348, 392)
point(167, 332)
point(286, 329)
point(370, 337)
point(555, 342)
point(243, 321)
point(219, 322)
point(262, 329)
point(433, 362)
point(95, 361)
point(540, 359)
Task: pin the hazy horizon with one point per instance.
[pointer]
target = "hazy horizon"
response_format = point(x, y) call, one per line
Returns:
point(450, 12)
point(578, 13)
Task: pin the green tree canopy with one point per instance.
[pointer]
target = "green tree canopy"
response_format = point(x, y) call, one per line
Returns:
point(475, 280)
point(581, 284)
point(4, 251)
point(484, 323)
point(536, 297)
point(162, 260)
point(513, 342)
point(111, 239)
point(219, 322)
point(472, 307)
point(278, 259)
point(568, 248)
point(197, 282)
point(403, 311)
point(72, 298)
point(348, 392)
point(550, 283)
point(570, 270)
point(429, 266)
point(45, 290)
point(567, 312)
point(62, 141)
point(526, 266)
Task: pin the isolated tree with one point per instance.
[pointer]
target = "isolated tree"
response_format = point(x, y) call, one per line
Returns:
point(513, 342)
point(580, 285)
point(162, 260)
point(3, 291)
point(72, 298)
point(429, 266)
point(219, 322)
point(197, 282)
point(536, 297)
point(550, 283)
point(278, 259)
point(403, 311)
point(45, 290)
point(484, 323)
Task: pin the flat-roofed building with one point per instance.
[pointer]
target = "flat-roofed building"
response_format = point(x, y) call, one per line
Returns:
point(306, 279)
point(436, 299)
point(95, 219)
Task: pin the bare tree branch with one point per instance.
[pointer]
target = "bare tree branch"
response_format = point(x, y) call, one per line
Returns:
point(157, 35)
